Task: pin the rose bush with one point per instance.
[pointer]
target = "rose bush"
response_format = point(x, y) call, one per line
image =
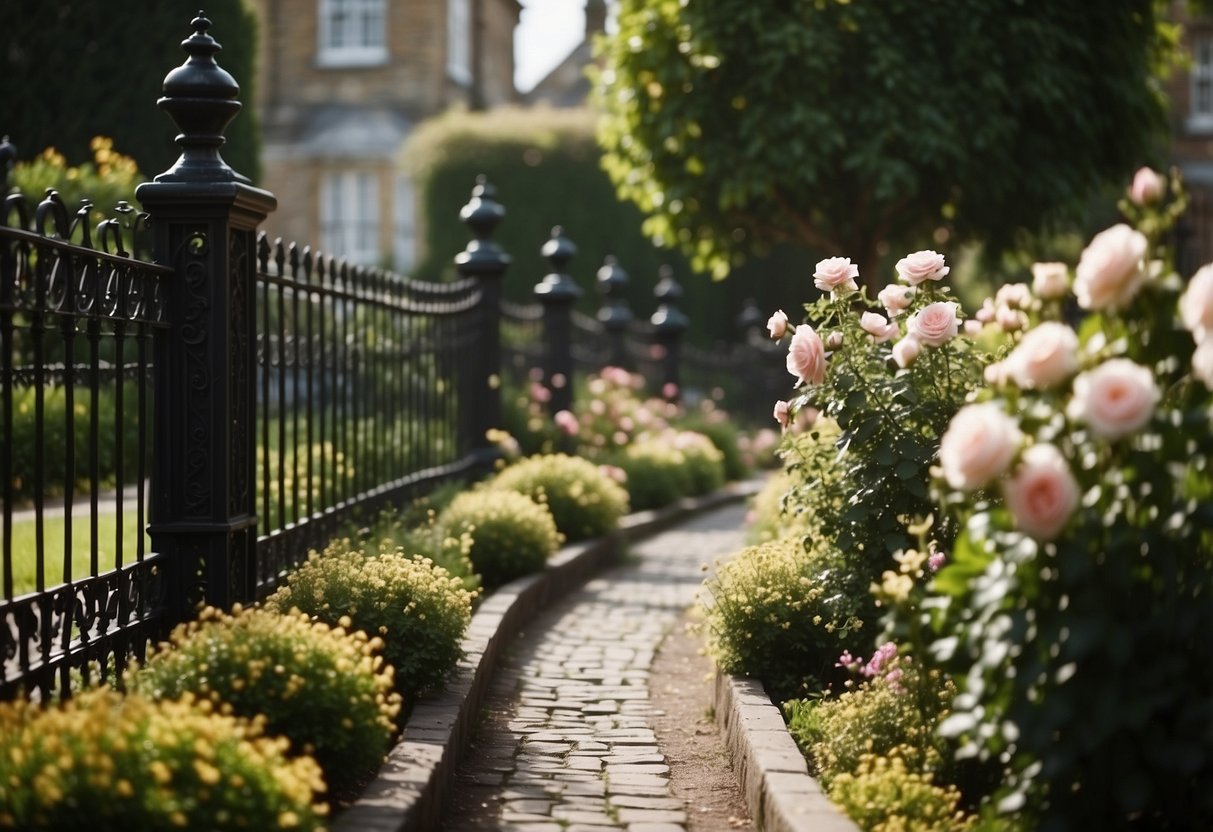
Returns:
point(1075, 611)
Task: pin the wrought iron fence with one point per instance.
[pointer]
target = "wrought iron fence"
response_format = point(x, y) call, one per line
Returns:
point(179, 428)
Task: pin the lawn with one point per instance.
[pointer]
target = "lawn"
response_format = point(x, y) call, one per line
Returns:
point(24, 545)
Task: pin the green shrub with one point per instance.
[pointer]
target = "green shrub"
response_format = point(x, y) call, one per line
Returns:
point(583, 500)
point(703, 460)
point(418, 608)
point(767, 520)
point(657, 474)
point(715, 425)
point(104, 761)
point(886, 795)
point(769, 616)
point(884, 713)
point(326, 690)
point(512, 535)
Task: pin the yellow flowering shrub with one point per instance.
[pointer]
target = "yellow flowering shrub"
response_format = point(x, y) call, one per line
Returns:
point(768, 616)
point(703, 460)
point(109, 178)
point(512, 535)
point(583, 500)
point(105, 761)
point(327, 690)
point(415, 606)
point(657, 473)
point(886, 795)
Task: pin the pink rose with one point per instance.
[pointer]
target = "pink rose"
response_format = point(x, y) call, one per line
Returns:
point(836, 274)
point(935, 324)
point(833, 341)
point(807, 355)
point(1042, 493)
point(995, 374)
point(777, 325)
point(921, 265)
point(1114, 399)
point(567, 422)
point(905, 351)
point(1196, 304)
point(1050, 281)
point(896, 299)
point(781, 413)
point(978, 445)
point(1047, 356)
point(1111, 268)
point(1147, 187)
point(1202, 362)
point(1013, 295)
point(875, 325)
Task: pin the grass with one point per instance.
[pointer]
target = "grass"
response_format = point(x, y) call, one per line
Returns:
point(24, 545)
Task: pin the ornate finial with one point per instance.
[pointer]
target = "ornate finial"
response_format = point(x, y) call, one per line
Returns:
point(8, 155)
point(483, 212)
point(612, 281)
point(200, 98)
point(750, 316)
point(557, 285)
point(668, 317)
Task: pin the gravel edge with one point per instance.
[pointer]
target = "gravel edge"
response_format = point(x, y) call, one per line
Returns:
point(412, 785)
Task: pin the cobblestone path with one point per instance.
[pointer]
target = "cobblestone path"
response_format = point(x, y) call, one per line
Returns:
point(567, 742)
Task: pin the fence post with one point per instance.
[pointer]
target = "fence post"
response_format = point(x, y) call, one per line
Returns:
point(204, 221)
point(615, 315)
point(484, 260)
point(557, 292)
point(669, 323)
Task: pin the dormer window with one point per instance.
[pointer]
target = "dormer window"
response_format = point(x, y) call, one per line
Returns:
point(1200, 101)
point(459, 40)
point(351, 33)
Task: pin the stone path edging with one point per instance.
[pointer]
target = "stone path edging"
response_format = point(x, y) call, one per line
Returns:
point(411, 787)
point(771, 771)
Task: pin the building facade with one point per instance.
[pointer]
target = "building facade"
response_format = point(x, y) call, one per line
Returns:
point(342, 84)
point(1191, 96)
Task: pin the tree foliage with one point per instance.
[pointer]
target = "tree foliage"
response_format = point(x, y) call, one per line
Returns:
point(72, 70)
point(848, 126)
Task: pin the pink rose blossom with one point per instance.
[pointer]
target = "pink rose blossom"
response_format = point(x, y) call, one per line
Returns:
point(1114, 399)
point(936, 560)
point(1050, 281)
point(935, 324)
point(833, 341)
point(905, 351)
point(669, 390)
point(987, 313)
point(781, 413)
point(567, 422)
point(921, 265)
point(1042, 493)
point(896, 299)
point(836, 274)
point(973, 328)
point(539, 393)
point(777, 326)
point(875, 325)
point(1013, 295)
point(996, 373)
point(978, 446)
point(1147, 187)
point(1047, 356)
point(1010, 320)
point(615, 473)
point(1202, 362)
point(1196, 304)
point(807, 355)
point(1111, 269)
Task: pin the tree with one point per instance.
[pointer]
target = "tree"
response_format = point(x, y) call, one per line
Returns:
point(852, 126)
point(72, 70)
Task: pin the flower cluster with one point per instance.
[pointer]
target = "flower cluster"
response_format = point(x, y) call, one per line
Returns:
point(1081, 480)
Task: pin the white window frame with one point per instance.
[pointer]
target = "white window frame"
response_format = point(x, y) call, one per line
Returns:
point(351, 33)
point(459, 40)
point(1200, 89)
point(349, 216)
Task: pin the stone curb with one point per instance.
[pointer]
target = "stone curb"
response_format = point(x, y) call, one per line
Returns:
point(771, 771)
point(408, 793)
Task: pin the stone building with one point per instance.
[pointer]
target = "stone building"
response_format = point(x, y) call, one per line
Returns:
point(1191, 95)
point(341, 84)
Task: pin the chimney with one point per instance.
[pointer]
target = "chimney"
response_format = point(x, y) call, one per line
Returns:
point(595, 18)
